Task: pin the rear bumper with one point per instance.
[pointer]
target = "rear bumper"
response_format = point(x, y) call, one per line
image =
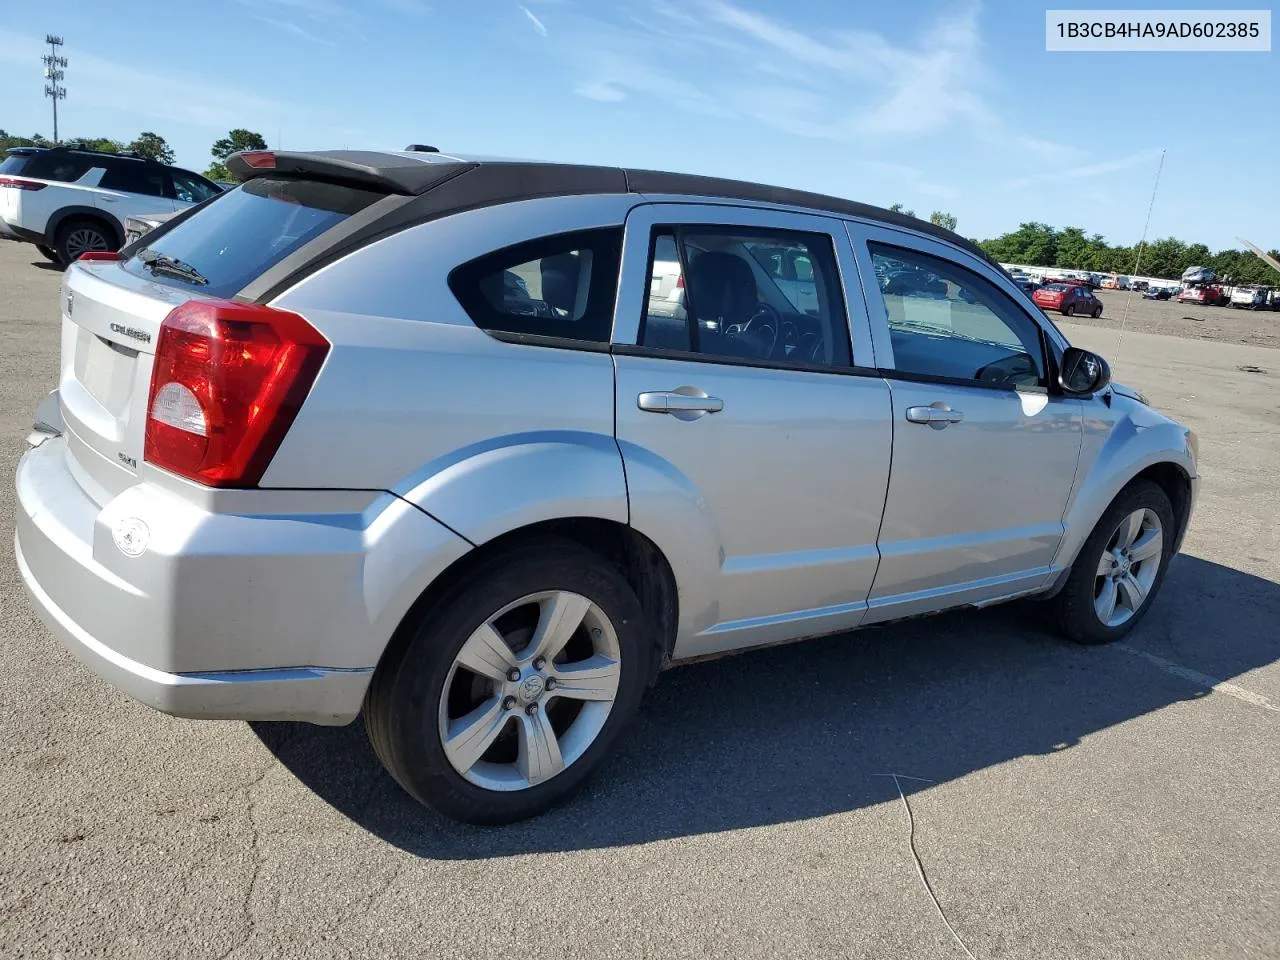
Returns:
point(268, 616)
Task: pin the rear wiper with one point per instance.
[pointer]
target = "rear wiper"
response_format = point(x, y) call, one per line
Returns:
point(160, 263)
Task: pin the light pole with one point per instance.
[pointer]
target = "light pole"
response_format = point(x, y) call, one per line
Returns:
point(53, 74)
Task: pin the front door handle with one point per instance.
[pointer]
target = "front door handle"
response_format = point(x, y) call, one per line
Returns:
point(937, 415)
point(686, 405)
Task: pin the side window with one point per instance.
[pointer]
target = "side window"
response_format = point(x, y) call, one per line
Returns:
point(59, 167)
point(188, 188)
point(134, 177)
point(736, 292)
point(946, 321)
point(562, 286)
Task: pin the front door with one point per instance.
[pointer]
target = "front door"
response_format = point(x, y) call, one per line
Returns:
point(757, 454)
point(984, 454)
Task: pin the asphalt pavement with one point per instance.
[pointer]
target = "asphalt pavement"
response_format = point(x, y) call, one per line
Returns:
point(1060, 802)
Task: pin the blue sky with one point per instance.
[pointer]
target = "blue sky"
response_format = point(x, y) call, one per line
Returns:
point(939, 105)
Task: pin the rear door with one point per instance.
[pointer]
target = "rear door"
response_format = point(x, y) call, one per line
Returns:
point(131, 187)
point(756, 443)
point(112, 311)
point(984, 454)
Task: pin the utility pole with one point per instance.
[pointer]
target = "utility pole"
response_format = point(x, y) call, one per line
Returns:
point(53, 74)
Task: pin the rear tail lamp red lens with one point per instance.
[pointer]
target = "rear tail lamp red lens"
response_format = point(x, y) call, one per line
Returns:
point(98, 255)
point(20, 184)
point(227, 383)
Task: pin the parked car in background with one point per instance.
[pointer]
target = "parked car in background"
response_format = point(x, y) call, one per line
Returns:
point(1069, 299)
point(142, 224)
point(396, 435)
point(1249, 298)
point(1026, 284)
point(69, 201)
point(1205, 294)
point(1157, 293)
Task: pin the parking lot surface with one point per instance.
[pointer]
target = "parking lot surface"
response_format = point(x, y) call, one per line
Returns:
point(1062, 802)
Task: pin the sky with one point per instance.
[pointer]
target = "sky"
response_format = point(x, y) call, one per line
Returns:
point(944, 105)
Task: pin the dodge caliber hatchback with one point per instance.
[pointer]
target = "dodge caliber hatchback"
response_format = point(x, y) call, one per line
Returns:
point(400, 434)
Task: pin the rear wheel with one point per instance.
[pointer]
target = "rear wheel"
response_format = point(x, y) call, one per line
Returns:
point(500, 700)
point(47, 252)
point(1120, 568)
point(76, 237)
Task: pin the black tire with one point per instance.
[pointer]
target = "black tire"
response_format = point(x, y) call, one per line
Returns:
point(48, 252)
point(1097, 313)
point(1069, 311)
point(402, 704)
point(1074, 605)
point(69, 243)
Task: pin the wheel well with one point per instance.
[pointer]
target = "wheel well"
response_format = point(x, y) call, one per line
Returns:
point(1176, 484)
point(637, 557)
point(112, 228)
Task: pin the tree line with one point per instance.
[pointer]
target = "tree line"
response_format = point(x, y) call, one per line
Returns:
point(1040, 245)
point(151, 145)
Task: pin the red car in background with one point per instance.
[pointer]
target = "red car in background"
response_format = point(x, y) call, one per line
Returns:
point(1208, 294)
point(1070, 299)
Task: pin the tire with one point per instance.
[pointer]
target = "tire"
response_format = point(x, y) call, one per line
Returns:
point(1076, 605)
point(48, 252)
point(1097, 313)
point(419, 692)
point(80, 235)
point(1069, 311)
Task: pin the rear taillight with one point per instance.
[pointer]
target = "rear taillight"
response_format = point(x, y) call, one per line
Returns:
point(98, 255)
point(19, 184)
point(259, 159)
point(228, 380)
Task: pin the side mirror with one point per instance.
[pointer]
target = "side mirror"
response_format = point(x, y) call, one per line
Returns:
point(1083, 372)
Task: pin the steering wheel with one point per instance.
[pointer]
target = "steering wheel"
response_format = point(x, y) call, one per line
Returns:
point(766, 318)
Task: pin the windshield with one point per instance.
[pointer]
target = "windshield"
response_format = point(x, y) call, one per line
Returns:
point(243, 233)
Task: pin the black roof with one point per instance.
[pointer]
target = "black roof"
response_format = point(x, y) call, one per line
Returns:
point(453, 185)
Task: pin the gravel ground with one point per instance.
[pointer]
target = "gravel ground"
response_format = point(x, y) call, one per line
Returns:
point(1165, 317)
point(1063, 802)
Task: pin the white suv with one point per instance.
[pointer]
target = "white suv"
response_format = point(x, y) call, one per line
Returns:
point(69, 202)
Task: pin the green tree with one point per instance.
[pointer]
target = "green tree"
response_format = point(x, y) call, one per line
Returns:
point(1072, 249)
point(1033, 244)
point(897, 208)
point(152, 145)
point(235, 141)
point(101, 144)
point(941, 218)
point(8, 140)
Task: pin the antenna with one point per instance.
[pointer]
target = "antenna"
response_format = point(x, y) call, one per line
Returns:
point(1261, 254)
point(1137, 260)
point(53, 74)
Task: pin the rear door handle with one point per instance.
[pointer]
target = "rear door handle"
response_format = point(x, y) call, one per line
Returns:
point(676, 402)
point(937, 415)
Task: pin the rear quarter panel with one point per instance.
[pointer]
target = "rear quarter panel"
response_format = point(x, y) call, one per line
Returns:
point(486, 436)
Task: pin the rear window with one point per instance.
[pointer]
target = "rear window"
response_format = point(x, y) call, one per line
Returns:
point(58, 166)
point(1054, 287)
point(14, 163)
point(243, 233)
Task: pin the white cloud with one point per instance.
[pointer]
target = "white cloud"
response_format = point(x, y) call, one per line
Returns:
point(533, 18)
point(288, 26)
point(605, 91)
point(1086, 171)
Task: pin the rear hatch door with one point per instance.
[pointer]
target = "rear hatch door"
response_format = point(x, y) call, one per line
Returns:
point(112, 311)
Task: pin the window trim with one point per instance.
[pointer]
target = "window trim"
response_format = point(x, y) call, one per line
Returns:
point(869, 241)
point(835, 292)
point(606, 261)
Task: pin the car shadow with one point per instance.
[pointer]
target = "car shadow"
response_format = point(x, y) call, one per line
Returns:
point(48, 265)
point(808, 730)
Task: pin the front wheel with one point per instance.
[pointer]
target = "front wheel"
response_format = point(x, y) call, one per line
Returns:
point(499, 701)
point(1120, 567)
point(1069, 311)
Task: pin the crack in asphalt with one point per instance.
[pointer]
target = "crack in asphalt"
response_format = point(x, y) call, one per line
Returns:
point(915, 854)
point(258, 859)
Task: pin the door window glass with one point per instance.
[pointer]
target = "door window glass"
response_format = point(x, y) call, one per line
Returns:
point(134, 177)
point(946, 321)
point(738, 293)
point(188, 188)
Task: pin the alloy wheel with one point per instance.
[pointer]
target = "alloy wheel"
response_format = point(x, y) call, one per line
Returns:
point(1128, 567)
point(529, 691)
point(84, 240)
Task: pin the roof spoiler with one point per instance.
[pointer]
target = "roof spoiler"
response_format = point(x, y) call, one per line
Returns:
point(359, 168)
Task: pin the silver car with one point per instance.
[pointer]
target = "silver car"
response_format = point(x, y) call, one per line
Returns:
point(396, 433)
